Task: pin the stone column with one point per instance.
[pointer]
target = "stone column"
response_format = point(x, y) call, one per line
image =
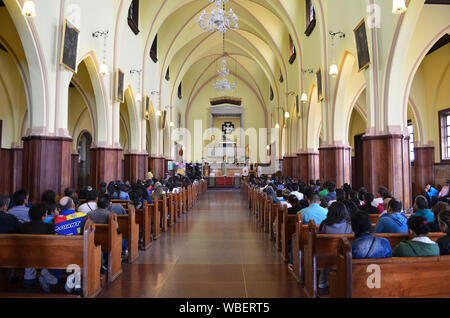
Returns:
point(335, 165)
point(74, 171)
point(387, 163)
point(308, 166)
point(46, 164)
point(136, 167)
point(106, 165)
point(423, 169)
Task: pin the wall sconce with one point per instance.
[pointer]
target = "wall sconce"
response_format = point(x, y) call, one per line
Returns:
point(334, 70)
point(138, 95)
point(158, 113)
point(304, 97)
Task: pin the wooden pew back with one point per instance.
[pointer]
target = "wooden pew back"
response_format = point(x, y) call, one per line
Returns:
point(398, 276)
point(55, 252)
point(130, 232)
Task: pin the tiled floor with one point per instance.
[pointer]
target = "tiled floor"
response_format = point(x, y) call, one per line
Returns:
point(215, 251)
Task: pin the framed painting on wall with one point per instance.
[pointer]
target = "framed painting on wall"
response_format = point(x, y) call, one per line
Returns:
point(362, 45)
point(69, 49)
point(319, 85)
point(119, 82)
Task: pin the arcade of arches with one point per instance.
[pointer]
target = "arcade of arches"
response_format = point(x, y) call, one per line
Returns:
point(384, 125)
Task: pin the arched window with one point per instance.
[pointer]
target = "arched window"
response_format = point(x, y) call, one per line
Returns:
point(180, 91)
point(411, 140)
point(272, 96)
point(444, 119)
point(168, 74)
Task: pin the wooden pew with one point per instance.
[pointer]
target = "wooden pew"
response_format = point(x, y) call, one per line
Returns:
point(280, 212)
point(130, 232)
point(287, 231)
point(272, 216)
point(172, 212)
point(55, 252)
point(144, 220)
point(320, 253)
point(266, 215)
point(155, 216)
point(111, 242)
point(162, 206)
point(408, 277)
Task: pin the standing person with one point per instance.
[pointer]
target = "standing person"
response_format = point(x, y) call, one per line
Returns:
point(20, 209)
point(9, 224)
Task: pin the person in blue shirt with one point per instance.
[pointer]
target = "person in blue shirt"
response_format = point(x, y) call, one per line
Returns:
point(395, 221)
point(123, 195)
point(432, 194)
point(314, 211)
point(331, 196)
point(20, 209)
point(365, 245)
point(422, 209)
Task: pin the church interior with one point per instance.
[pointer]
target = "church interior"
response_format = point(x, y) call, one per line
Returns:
point(214, 102)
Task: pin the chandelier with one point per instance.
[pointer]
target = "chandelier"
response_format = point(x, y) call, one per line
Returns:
point(219, 20)
point(222, 84)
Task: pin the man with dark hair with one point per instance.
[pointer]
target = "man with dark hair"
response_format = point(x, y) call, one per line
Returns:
point(395, 221)
point(69, 192)
point(101, 215)
point(331, 196)
point(36, 226)
point(314, 211)
point(9, 224)
point(91, 205)
point(20, 209)
point(368, 207)
point(421, 209)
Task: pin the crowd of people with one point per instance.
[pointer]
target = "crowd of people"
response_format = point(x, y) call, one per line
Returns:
point(347, 211)
point(68, 215)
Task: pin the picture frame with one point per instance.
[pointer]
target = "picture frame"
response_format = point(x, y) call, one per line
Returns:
point(319, 85)
point(147, 108)
point(69, 46)
point(163, 119)
point(119, 86)
point(362, 45)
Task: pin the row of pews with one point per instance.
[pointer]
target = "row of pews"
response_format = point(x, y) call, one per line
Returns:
point(83, 253)
point(348, 277)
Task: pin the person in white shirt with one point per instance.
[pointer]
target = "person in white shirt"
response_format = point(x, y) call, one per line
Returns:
point(300, 196)
point(91, 205)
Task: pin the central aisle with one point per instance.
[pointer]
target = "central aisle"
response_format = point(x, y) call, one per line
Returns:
point(215, 251)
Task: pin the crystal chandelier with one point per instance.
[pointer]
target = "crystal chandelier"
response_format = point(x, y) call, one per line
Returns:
point(222, 83)
point(219, 20)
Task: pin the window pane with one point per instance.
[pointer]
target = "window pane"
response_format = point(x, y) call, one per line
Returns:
point(448, 153)
point(448, 131)
point(448, 120)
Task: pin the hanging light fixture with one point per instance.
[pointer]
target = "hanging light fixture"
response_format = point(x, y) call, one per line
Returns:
point(334, 70)
point(222, 84)
point(29, 9)
point(399, 7)
point(172, 124)
point(304, 97)
point(104, 70)
point(287, 115)
point(219, 20)
point(158, 113)
point(138, 95)
point(277, 126)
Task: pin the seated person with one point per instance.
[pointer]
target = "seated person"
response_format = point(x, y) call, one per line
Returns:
point(395, 221)
point(314, 212)
point(295, 191)
point(337, 221)
point(324, 192)
point(101, 214)
point(20, 209)
point(91, 205)
point(279, 197)
point(68, 222)
point(444, 222)
point(49, 196)
point(421, 209)
point(36, 226)
point(368, 207)
point(445, 192)
point(69, 192)
point(9, 224)
point(437, 209)
point(293, 201)
point(421, 245)
point(365, 245)
point(123, 194)
point(331, 196)
point(431, 193)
